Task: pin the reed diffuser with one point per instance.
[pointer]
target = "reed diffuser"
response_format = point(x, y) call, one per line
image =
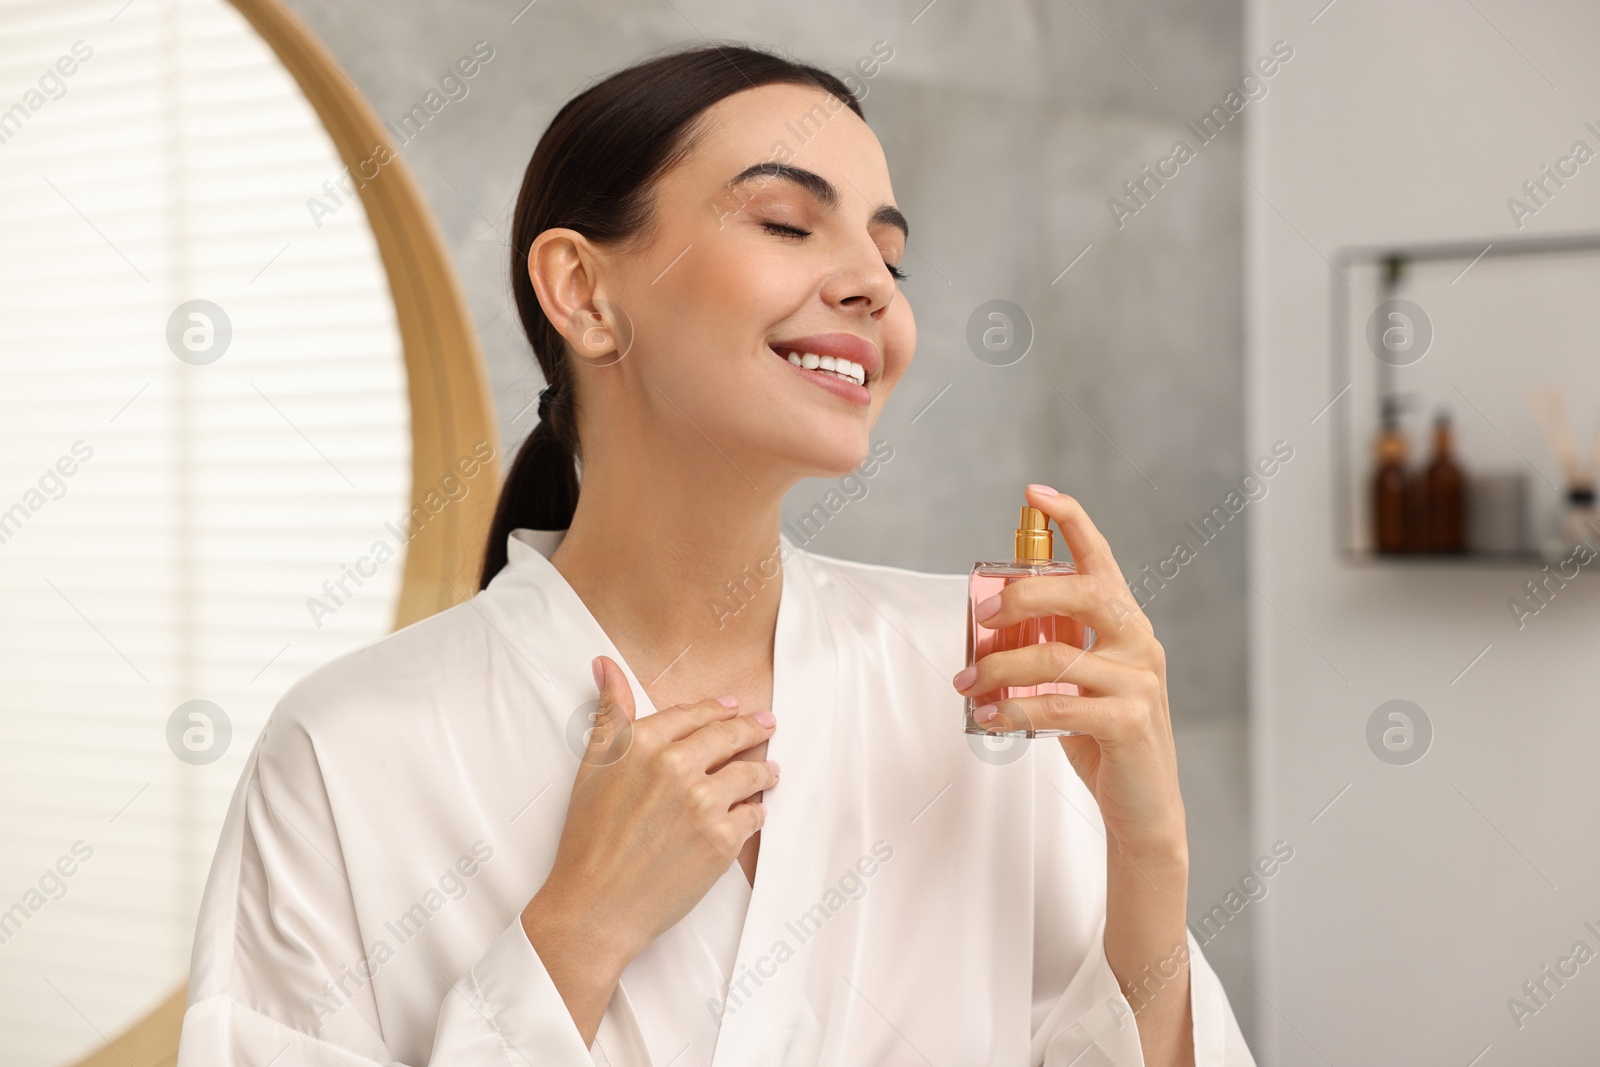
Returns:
point(1577, 519)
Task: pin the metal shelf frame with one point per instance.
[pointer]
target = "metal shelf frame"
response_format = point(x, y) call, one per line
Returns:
point(1340, 378)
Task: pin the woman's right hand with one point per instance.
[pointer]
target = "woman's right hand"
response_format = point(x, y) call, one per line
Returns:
point(659, 810)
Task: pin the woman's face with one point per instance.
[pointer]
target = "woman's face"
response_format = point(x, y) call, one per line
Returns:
point(798, 257)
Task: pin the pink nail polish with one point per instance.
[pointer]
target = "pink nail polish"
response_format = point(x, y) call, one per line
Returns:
point(987, 607)
point(728, 702)
point(1043, 490)
point(985, 713)
point(772, 763)
point(765, 718)
point(964, 677)
point(599, 673)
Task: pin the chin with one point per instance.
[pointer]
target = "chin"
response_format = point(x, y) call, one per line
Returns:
point(802, 429)
point(833, 452)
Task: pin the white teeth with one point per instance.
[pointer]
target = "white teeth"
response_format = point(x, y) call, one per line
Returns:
point(847, 369)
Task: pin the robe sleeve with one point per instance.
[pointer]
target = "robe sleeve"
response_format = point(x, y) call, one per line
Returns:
point(1078, 1004)
point(277, 925)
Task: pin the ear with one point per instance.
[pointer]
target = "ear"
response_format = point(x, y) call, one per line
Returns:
point(566, 272)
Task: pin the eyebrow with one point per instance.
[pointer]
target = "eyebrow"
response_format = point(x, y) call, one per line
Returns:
point(820, 188)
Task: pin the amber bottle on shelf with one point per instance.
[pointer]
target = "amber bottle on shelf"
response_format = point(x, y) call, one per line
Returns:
point(1389, 503)
point(1444, 487)
point(1417, 509)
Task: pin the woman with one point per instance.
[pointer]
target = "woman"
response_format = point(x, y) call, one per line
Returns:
point(477, 841)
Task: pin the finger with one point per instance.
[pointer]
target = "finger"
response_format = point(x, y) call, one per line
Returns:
point(682, 720)
point(742, 779)
point(616, 695)
point(719, 741)
point(611, 733)
point(755, 752)
point(1083, 598)
point(747, 817)
point(1091, 554)
point(1056, 711)
point(1052, 661)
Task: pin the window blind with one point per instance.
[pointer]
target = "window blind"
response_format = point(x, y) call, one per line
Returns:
point(208, 498)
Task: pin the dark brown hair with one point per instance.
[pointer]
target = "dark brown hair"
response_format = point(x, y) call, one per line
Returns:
point(594, 171)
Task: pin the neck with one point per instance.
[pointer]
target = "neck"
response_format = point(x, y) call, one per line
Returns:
point(669, 556)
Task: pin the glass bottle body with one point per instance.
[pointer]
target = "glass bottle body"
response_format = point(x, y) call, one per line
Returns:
point(1574, 521)
point(985, 581)
point(1446, 490)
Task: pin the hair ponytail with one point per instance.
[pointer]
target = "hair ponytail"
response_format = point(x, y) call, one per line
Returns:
point(545, 477)
point(593, 171)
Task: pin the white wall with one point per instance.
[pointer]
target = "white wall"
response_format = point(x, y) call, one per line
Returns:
point(1425, 895)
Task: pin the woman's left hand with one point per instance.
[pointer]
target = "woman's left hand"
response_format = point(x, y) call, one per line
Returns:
point(1125, 754)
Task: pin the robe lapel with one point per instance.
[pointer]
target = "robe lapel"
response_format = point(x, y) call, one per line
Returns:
point(559, 636)
point(665, 1007)
point(765, 1005)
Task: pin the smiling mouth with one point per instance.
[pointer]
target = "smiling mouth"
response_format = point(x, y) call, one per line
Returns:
point(844, 369)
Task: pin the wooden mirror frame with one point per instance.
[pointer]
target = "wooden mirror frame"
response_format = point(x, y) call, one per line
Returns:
point(451, 406)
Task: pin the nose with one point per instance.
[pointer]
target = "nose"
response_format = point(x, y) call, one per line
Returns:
point(863, 284)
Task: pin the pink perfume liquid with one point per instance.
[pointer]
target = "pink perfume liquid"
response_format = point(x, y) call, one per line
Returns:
point(986, 580)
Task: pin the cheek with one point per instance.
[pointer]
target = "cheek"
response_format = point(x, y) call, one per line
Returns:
point(736, 292)
point(704, 319)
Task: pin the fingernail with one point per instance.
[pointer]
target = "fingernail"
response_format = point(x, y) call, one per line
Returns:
point(985, 713)
point(1042, 490)
point(599, 673)
point(772, 763)
point(728, 702)
point(766, 718)
point(986, 607)
point(964, 677)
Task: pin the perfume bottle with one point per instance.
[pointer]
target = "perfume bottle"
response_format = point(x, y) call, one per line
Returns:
point(1034, 557)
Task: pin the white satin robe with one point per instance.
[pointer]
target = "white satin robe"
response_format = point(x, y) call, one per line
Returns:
point(913, 904)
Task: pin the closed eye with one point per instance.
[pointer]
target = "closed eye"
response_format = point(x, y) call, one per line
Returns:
point(784, 230)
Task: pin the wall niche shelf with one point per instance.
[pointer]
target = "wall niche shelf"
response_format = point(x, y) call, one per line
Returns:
point(1506, 316)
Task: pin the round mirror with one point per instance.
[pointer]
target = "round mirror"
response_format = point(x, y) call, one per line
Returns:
point(245, 432)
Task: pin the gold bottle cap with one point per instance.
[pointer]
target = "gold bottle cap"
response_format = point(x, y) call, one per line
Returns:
point(1034, 540)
